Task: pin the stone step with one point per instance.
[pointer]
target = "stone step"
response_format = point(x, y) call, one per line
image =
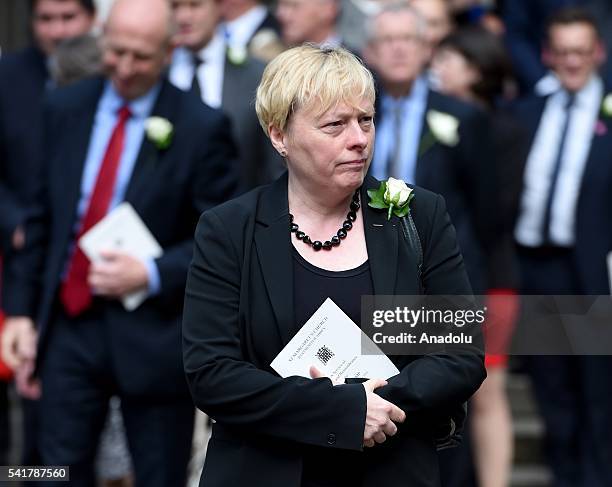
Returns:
point(528, 438)
point(520, 395)
point(530, 476)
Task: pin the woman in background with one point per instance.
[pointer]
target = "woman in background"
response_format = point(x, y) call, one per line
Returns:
point(472, 64)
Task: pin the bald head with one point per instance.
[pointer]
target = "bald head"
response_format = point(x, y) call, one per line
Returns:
point(137, 45)
point(152, 18)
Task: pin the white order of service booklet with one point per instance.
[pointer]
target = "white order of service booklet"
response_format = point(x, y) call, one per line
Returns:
point(121, 230)
point(333, 343)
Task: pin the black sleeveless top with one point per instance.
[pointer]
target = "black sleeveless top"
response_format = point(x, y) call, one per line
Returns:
point(329, 467)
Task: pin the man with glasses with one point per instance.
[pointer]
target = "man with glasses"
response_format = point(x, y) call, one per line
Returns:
point(564, 233)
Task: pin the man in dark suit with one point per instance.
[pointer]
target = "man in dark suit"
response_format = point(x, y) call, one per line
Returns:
point(24, 78)
point(223, 77)
point(564, 233)
point(134, 138)
point(429, 139)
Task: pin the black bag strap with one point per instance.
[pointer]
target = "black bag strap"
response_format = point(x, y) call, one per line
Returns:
point(412, 236)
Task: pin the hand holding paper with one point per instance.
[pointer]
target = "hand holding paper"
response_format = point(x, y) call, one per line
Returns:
point(117, 274)
point(117, 246)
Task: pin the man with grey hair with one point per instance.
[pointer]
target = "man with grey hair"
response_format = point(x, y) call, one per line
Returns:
point(128, 138)
point(429, 139)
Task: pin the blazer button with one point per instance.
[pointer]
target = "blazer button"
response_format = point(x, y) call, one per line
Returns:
point(331, 439)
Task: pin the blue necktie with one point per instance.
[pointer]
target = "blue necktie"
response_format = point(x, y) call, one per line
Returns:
point(394, 161)
point(571, 98)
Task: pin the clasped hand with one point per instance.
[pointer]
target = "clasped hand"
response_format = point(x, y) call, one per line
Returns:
point(381, 415)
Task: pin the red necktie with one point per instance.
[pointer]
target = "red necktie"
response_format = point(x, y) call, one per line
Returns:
point(75, 293)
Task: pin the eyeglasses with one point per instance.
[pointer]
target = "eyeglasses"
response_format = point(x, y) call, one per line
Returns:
point(581, 53)
point(407, 39)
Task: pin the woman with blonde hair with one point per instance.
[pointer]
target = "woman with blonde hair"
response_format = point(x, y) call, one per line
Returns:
point(264, 262)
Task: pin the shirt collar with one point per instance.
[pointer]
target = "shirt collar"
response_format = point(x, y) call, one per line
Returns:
point(416, 95)
point(214, 51)
point(140, 107)
point(590, 92)
point(239, 31)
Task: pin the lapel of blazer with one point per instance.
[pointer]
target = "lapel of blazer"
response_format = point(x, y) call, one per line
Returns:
point(149, 156)
point(231, 85)
point(381, 241)
point(598, 160)
point(273, 244)
point(423, 154)
point(80, 126)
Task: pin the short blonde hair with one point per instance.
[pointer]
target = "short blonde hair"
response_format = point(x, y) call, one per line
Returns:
point(308, 76)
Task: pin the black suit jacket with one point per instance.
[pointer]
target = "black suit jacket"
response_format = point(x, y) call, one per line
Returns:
point(259, 161)
point(168, 189)
point(465, 176)
point(239, 315)
point(593, 224)
point(23, 76)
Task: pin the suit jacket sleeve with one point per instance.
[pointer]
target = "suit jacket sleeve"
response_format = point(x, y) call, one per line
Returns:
point(11, 212)
point(215, 180)
point(434, 384)
point(232, 390)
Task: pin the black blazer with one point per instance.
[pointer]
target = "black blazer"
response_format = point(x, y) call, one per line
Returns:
point(593, 223)
point(239, 314)
point(23, 76)
point(168, 189)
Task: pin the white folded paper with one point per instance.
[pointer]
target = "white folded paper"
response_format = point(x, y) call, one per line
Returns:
point(121, 230)
point(333, 343)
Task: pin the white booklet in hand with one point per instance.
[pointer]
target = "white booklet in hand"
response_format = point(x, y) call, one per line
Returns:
point(121, 230)
point(333, 343)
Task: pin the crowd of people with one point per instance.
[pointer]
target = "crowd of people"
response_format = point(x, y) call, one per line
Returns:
point(178, 106)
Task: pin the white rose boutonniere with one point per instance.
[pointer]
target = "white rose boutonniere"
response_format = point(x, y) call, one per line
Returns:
point(393, 195)
point(444, 127)
point(159, 131)
point(237, 55)
point(606, 105)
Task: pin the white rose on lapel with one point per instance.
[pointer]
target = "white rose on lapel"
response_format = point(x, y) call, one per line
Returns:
point(444, 127)
point(159, 131)
point(392, 195)
point(397, 192)
point(606, 105)
point(237, 55)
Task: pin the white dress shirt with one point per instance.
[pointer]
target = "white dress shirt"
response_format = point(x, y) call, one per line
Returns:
point(540, 166)
point(210, 72)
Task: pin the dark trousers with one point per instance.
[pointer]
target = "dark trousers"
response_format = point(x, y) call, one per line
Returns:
point(574, 393)
point(78, 380)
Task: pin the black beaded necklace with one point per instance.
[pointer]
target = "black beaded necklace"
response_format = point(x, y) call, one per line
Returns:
point(341, 234)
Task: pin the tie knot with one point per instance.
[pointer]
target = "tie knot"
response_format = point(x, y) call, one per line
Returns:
point(197, 60)
point(124, 113)
point(570, 100)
